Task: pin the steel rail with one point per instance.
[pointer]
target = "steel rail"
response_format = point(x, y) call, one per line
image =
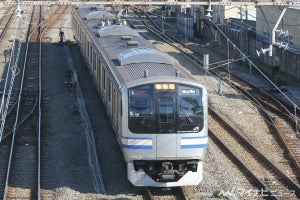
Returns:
point(239, 136)
point(10, 72)
point(50, 22)
point(18, 106)
point(240, 163)
point(152, 193)
point(39, 116)
point(262, 106)
point(47, 23)
point(8, 22)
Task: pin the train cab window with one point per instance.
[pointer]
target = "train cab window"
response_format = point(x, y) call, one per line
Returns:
point(189, 106)
point(141, 110)
point(140, 107)
point(190, 116)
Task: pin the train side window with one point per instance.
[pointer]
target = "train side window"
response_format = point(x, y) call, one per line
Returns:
point(109, 90)
point(98, 71)
point(94, 61)
point(90, 53)
point(121, 108)
point(113, 105)
point(103, 79)
point(86, 47)
point(101, 76)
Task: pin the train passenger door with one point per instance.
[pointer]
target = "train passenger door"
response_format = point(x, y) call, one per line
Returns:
point(166, 140)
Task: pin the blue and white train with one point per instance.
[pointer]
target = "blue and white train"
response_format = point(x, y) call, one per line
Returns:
point(158, 111)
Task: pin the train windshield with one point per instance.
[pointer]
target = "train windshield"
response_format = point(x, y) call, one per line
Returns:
point(164, 108)
point(141, 109)
point(190, 113)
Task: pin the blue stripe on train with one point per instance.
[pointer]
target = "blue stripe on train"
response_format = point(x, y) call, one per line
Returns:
point(195, 137)
point(194, 146)
point(136, 146)
point(137, 138)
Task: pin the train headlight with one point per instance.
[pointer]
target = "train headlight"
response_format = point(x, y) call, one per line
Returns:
point(158, 86)
point(172, 86)
point(165, 86)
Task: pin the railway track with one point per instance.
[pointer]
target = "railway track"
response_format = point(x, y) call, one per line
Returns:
point(24, 147)
point(276, 182)
point(281, 122)
point(10, 91)
point(21, 148)
point(168, 193)
point(285, 186)
point(5, 20)
point(27, 172)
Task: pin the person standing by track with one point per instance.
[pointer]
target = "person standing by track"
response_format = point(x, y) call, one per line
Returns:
point(61, 37)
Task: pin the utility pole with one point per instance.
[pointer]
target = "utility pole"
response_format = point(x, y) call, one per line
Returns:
point(273, 35)
point(241, 14)
point(273, 42)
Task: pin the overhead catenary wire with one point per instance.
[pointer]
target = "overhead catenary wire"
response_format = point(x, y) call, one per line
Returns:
point(231, 88)
point(253, 65)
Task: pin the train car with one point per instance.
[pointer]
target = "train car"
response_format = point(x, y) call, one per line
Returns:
point(157, 110)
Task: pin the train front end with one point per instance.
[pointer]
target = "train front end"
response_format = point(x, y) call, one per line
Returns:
point(167, 134)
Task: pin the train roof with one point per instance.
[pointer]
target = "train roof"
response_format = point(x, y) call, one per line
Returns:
point(117, 30)
point(127, 53)
point(100, 14)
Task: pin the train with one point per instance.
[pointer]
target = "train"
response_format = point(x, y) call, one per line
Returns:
point(158, 111)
